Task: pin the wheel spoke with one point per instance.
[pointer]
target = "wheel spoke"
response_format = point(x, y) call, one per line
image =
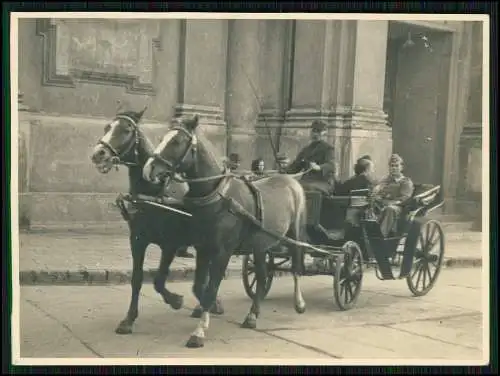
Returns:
point(416, 266)
point(429, 273)
point(348, 294)
point(419, 276)
point(253, 282)
point(431, 233)
point(424, 275)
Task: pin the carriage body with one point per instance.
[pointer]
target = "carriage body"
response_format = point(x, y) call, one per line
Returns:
point(348, 234)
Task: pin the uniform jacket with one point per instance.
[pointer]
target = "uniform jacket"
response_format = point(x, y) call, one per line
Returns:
point(390, 189)
point(321, 153)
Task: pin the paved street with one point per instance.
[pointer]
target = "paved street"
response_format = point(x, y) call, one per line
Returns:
point(79, 321)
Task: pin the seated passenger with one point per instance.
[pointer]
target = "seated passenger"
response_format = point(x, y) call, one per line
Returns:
point(233, 162)
point(258, 166)
point(390, 194)
point(362, 179)
point(283, 162)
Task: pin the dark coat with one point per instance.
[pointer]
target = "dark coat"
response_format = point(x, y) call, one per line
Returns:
point(361, 181)
point(321, 153)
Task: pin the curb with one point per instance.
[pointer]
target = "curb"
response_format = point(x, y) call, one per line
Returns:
point(117, 277)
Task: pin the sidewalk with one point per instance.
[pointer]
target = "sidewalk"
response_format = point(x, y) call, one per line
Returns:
point(80, 258)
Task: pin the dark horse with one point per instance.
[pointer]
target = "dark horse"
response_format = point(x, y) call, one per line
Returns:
point(225, 212)
point(124, 143)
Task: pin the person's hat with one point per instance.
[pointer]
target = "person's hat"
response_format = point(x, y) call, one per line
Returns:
point(395, 158)
point(365, 157)
point(234, 157)
point(318, 125)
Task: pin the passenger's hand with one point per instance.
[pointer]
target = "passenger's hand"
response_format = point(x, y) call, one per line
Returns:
point(314, 166)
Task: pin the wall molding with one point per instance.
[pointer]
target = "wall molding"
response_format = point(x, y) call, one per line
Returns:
point(58, 70)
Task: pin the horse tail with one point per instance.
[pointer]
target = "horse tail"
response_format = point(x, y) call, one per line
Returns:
point(299, 227)
point(301, 214)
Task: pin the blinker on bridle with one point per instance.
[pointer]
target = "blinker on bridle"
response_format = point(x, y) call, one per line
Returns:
point(192, 147)
point(117, 156)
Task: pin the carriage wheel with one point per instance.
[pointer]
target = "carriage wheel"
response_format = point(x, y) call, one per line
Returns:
point(250, 278)
point(348, 277)
point(428, 259)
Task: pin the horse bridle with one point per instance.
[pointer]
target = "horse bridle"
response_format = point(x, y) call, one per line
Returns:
point(118, 156)
point(172, 168)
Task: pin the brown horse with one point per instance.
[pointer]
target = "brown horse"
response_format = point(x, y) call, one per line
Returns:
point(229, 213)
point(124, 142)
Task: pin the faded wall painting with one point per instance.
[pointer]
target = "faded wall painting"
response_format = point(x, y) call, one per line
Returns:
point(116, 52)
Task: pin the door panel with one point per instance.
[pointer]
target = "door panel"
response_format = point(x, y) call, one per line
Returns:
point(416, 112)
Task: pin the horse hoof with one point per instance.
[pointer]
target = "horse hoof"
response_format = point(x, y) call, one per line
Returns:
point(124, 328)
point(249, 324)
point(299, 309)
point(197, 313)
point(176, 302)
point(195, 342)
point(217, 309)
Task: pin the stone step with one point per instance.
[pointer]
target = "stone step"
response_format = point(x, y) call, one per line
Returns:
point(464, 226)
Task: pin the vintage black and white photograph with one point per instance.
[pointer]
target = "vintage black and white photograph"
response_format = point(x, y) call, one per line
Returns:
point(250, 189)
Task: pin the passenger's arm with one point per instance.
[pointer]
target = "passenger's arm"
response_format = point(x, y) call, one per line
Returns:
point(296, 165)
point(328, 168)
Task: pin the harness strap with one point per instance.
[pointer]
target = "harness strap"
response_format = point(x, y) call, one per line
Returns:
point(259, 213)
point(236, 208)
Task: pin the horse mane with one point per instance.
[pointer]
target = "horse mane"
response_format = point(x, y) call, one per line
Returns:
point(209, 148)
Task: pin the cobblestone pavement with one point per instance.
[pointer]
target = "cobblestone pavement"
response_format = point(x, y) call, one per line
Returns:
point(387, 323)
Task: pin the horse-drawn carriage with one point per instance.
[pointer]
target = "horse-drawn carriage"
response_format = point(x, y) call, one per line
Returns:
point(346, 246)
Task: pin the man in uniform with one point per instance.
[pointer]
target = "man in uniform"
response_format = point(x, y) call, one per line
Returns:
point(393, 191)
point(319, 156)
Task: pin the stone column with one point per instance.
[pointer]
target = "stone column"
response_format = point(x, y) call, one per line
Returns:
point(338, 77)
point(469, 187)
point(244, 95)
point(364, 129)
point(24, 165)
point(318, 50)
point(167, 66)
point(202, 75)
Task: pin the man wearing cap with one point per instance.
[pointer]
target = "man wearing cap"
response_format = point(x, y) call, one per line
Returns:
point(390, 194)
point(319, 156)
point(283, 161)
point(233, 162)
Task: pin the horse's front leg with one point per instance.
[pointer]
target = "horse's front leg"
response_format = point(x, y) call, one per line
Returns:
point(200, 284)
point(138, 247)
point(208, 298)
point(167, 256)
point(260, 274)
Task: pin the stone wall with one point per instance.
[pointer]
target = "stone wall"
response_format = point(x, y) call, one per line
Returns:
point(248, 80)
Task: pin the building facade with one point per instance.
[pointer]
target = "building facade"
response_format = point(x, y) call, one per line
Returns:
point(408, 87)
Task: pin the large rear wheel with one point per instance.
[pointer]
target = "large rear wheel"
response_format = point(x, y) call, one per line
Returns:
point(428, 259)
point(250, 278)
point(348, 277)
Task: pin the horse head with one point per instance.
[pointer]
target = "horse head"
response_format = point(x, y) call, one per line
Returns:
point(176, 153)
point(120, 142)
